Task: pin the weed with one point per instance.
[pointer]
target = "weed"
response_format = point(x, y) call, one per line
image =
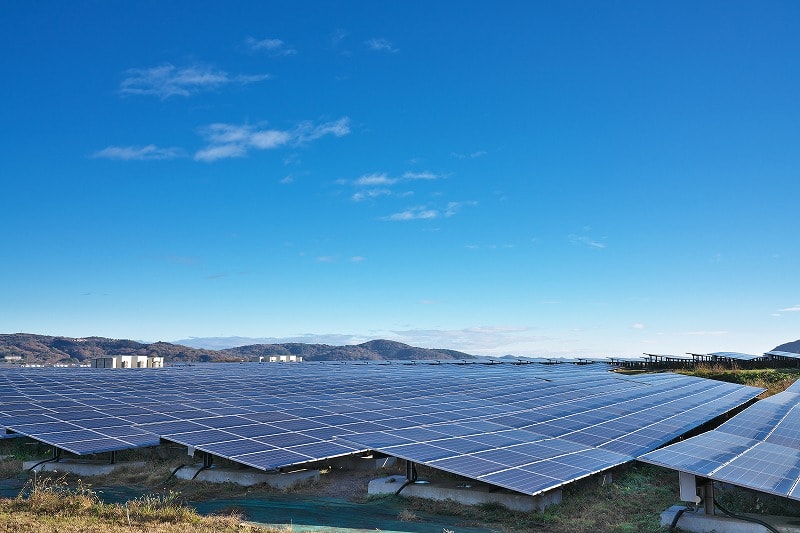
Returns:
point(407, 516)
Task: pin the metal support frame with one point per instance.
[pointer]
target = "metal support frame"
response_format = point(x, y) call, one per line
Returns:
point(708, 497)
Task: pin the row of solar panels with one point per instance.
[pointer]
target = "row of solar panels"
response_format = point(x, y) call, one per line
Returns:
point(724, 356)
point(528, 428)
point(759, 448)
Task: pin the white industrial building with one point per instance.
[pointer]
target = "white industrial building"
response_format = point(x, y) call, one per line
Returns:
point(128, 361)
point(282, 359)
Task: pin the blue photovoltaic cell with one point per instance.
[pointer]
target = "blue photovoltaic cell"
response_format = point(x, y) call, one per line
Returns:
point(324, 449)
point(468, 466)
point(522, 480)
point(419, 452)
point(171, 427)
point(764, 467)
point(787, 431)
point(271, 459)
point(236, 447)
point(462, 445)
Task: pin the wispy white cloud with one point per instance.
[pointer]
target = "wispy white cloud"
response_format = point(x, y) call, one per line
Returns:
point(137, 153)
point(308, 131)
point(338, 36)
point(425, 175)
point(274, 47)
point(168, 80)
point(491, 246)
point(371, 180)
point(471, 155)
point(235, 140)
point(370, 193)
point(425, 212)
point(586, 240)
point(334, 259)
point(793, 309)
point(224, 151)
point(639, 326)
point(453, 207)
point(381, 45)
point(380, 183)
point(413, 213)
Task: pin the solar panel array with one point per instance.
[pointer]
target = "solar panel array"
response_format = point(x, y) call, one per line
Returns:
point(778, 353)
point(736, 355)
point(524, 427)
point(759, 448)
point(567, 432)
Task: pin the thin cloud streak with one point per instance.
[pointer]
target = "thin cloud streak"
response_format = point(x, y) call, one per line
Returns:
point(168, 80)
point(582, 239)
point(381, 45)
point(424, 212)
point(274, 47)
point(413, 213)
point(231, 140)
point(149, 152)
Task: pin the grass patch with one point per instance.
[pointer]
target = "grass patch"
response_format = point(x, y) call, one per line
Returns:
point(633, 503)
point(48, 504)
point(775, 380)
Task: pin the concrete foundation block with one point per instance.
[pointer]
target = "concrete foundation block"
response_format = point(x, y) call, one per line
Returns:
point(473, 493)
point(248, 478)
point(81, 468)
point(699, 522)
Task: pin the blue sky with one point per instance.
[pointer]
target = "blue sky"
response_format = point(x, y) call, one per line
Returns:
point(535, 178)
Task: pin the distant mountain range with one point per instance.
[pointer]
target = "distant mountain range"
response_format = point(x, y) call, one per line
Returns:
point(44, 349)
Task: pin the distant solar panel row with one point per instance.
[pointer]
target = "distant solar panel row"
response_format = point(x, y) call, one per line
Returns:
point(524, 427)
point(736, 355)
point(759, 448)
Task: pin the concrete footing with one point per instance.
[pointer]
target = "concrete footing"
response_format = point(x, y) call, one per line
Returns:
point(81, 467)
point(699, 522)
point(472, 493)
point(247, 478)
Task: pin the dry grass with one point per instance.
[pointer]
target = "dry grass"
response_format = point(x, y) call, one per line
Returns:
point(407, 516)
point(49, 504)
point(774, 380)
point(632, 504)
